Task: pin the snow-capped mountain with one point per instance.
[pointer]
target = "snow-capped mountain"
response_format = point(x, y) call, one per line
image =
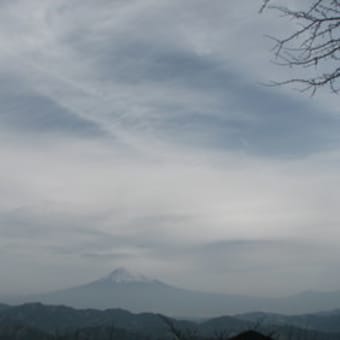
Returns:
point(138, 293)
point(122, 275)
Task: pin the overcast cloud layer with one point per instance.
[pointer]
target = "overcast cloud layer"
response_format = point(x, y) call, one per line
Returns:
point(136, 133)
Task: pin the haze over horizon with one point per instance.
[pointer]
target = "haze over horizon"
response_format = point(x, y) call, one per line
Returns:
point(137, 133)
point(122, 275)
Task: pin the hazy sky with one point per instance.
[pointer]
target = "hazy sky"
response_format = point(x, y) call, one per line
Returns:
point(137, 133)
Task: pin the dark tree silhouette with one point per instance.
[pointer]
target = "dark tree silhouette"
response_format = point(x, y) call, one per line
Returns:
point(314, 45)
point(251, 335)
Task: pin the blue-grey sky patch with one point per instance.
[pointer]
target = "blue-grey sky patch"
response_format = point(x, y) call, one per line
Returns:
point(38, 115)
point(242, 115)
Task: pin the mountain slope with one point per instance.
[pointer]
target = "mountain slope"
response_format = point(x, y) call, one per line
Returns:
point(325, 321)
point(37, 321)
point(3, 306)
point(137, 293)
point(62, 318)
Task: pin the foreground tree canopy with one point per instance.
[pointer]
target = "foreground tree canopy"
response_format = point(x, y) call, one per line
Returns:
point(314, 47)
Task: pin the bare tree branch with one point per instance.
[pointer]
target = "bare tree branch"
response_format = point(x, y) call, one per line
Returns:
point(314, 44)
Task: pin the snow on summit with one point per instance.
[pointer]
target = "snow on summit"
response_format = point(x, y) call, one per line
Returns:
point(121, 275)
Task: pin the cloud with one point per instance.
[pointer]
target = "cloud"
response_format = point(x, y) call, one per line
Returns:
point(29, 113)
point(136, 133)
point(111, 67)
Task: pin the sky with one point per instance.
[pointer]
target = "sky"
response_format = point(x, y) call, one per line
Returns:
point(140, 133)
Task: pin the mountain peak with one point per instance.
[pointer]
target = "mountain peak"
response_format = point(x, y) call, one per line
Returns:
point(122, 275)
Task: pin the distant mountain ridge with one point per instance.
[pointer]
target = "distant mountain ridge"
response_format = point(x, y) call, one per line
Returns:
point(138, 293)
point(36, 318)
point(3, 306)
point(325, 321)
